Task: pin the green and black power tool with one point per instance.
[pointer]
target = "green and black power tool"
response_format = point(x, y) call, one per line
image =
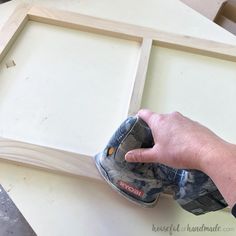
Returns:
point(142, 183)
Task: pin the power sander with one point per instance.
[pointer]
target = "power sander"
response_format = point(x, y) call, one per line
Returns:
point(142, 183)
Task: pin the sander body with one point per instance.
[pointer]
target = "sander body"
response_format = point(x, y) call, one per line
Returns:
point(142, 183)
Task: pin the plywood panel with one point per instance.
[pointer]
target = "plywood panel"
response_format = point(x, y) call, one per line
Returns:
point(201, 87)
point(66, 98)
point(95, 98)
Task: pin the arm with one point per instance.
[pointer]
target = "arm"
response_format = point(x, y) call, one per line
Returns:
point(183, 143)
point(222, 169)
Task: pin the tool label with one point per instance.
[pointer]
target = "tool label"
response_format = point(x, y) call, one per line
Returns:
point(130, 188)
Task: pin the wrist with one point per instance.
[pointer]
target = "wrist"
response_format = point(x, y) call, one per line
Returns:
point(214, 156)
point(220, 166)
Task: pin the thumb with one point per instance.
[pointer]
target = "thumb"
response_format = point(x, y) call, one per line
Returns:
point(141, 155)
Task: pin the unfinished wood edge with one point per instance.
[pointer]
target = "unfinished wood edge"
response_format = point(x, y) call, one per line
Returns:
point(214, 50)
point(140, 76)
point(130, 32)
point(12, 28)
point(52, 160)
point(114, 29)
point(48, 158)
point(133, 32)
point(81, 22)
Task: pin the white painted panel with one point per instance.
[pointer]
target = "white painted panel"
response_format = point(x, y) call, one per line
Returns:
point(201, 87)
point(68, 89)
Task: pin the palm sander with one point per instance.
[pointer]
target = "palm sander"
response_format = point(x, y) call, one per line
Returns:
point(142, 183)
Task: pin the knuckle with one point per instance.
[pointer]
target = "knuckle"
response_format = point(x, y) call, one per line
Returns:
point(153, 119)
point(156, 120)
point(159, 117)
point(176, 114)
point(139, 156)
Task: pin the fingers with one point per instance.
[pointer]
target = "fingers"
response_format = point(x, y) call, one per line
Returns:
point(141, 155)
point(146, 115)
point(151, 118)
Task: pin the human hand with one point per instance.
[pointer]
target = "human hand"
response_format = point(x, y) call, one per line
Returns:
point(179, 142)
point(183, 143)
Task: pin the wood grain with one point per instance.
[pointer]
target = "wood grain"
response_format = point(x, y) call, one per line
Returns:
point(140, 76)
point(12, 28)
point(83, 22)
point(48, 158)
point(133, 32)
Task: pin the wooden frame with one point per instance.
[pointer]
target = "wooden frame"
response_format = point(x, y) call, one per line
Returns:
point(74, 163)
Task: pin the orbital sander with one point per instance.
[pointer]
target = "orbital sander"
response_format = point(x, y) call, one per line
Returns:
point(142, 183)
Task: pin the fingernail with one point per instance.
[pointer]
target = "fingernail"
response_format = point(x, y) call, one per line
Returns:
point(129, 156)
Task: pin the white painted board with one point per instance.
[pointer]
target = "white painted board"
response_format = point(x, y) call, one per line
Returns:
point(200, 87)
point(72, 97)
